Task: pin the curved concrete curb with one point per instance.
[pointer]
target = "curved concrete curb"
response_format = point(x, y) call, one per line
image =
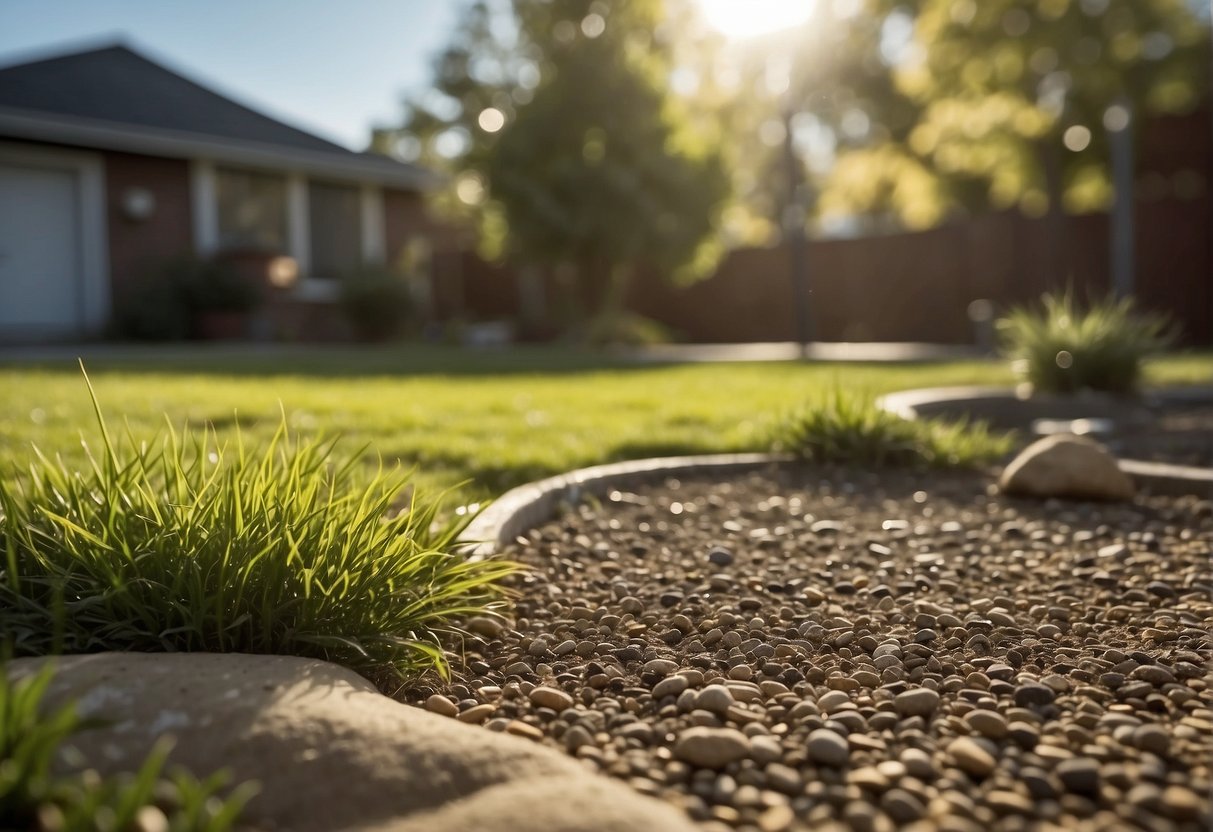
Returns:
point(521, 509)
point(984, 402)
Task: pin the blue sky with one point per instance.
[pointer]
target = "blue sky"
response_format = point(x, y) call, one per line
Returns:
point(334, 67)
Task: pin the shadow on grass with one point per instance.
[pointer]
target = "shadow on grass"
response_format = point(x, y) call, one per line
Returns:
point(328, 362)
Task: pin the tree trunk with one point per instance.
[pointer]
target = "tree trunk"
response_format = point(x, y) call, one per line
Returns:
point(1122, 251)
point(602, 290)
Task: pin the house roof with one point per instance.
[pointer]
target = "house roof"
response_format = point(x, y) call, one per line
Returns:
point(115, 98)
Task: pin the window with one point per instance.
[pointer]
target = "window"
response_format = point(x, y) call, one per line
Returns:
point(335, 219)
point(252, 210)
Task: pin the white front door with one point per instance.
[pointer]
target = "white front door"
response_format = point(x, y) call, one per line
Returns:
point(42, 292)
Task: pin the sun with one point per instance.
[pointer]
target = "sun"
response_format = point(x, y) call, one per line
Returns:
point(747, 18)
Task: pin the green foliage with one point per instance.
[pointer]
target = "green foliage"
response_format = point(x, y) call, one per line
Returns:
point(182, 544)
point(1061, 347)
point(850, 429)
point(163, 302)
point(599, 168)
point(1002, 80)
point(155, 307)
point(32, 797)
point(377, 303)
point(586, 159)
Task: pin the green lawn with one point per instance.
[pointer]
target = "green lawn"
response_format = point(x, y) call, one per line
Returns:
point(491, 419)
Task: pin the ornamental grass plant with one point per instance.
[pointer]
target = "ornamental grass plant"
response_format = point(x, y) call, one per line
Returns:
point(848, 428)
point(184, 544)
point(1063, 347)
point(33, 795)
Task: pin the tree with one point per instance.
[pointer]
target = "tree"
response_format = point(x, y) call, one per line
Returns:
point(832, 82)
point(476, 71)
point(1023, 95)
point(593, 166)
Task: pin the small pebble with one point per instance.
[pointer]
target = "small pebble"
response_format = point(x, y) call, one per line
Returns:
point(916, 702)
point(971, 758)
point(715, 698)
point(440, 704)
point(827, 747)
point(711, 747)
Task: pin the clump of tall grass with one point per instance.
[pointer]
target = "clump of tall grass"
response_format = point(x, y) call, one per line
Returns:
point(33, 796)
point(1062, 347)
point(849, 428)
point(179, 544)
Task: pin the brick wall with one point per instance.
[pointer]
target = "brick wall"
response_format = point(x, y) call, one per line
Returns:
point(135, 245)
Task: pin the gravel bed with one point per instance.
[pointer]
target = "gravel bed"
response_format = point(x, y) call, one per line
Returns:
point(839, 650)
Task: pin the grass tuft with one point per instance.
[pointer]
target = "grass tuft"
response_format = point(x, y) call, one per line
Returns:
point(185, 544)
point(848, 428)
point(32, 796)
point(1061, 347)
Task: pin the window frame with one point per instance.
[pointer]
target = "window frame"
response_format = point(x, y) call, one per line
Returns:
point(372, 222)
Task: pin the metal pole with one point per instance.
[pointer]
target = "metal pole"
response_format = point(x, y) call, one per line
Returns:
point(794, 216)
point(1120, 143)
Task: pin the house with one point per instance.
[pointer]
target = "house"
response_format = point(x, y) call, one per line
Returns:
point(110, 161)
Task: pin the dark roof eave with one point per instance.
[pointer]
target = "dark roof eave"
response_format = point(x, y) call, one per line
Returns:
point(103, 135)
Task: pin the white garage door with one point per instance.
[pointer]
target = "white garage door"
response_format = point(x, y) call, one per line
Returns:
point(41, 276)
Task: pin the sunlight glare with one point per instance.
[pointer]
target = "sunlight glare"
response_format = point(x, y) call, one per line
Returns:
point(747, 18)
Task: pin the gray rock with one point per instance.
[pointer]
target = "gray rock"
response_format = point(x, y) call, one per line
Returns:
point(371, 763)
point(834, 701)
point(545, 697)
point(660, 667)
point(828, 747)
point(916, 702)
point(485, 625)
point(576, 737)
point(1033, 693)
point(670, 686)
point(1066, 466)
point(715, 698)
point(987, 723)
point(970, 757)
point(1080, 774)
point(1152, 738)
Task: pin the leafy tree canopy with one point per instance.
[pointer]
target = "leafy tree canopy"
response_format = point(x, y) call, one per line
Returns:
point(1019, 96)
point(564, 142)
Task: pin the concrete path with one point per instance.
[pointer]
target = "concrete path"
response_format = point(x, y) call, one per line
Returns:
point(881, 352)
point(869, 351)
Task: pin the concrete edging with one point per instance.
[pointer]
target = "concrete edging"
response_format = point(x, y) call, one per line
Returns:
point(521, 509)
point(1156, 477)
